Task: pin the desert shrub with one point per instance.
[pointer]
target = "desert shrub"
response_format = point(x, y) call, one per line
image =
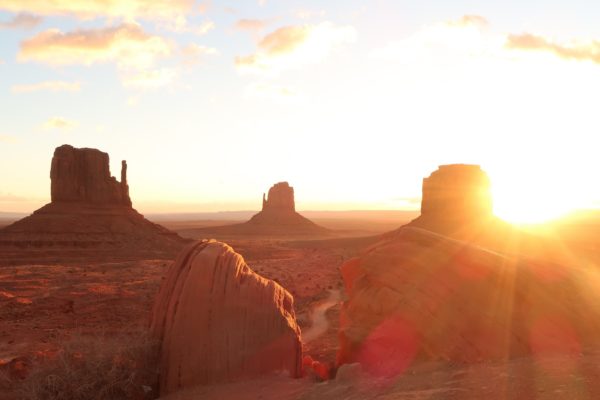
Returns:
point(98, 367)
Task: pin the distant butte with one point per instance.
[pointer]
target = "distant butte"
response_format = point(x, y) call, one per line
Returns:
point(278, 217)
point(90, 215)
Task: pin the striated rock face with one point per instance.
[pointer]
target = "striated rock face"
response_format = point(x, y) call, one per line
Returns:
point(83, 175)
point(420, 296)
point(280, 199)
point(458, 190)
point(217, 320)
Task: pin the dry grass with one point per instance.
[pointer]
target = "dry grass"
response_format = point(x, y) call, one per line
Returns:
point(100, 367)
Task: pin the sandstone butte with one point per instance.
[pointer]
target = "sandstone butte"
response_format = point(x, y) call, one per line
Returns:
point(217, 320)
point(89, 210)
point(421, 295)
point(278, 217)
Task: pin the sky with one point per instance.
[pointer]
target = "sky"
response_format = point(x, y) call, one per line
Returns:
point(353, 102)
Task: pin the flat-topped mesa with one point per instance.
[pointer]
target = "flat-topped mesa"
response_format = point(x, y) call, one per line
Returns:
point(457, 191)
point(280, 198)
point(83, 175)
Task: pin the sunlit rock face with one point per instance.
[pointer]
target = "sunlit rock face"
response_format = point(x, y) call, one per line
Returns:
point(457, 191)
point(217, 320)
point(280, 199)
point(420, 296)
point(83, 175)
point(457, 201)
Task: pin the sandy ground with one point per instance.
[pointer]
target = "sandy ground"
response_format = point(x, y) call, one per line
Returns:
point(519, 379)
point(42, 306)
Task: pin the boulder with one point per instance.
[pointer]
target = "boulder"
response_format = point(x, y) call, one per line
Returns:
point(217, 320)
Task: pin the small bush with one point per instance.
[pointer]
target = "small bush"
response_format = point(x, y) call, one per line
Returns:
point(101, 367)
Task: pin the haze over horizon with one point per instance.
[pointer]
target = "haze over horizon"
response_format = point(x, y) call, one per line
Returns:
point(354, 103)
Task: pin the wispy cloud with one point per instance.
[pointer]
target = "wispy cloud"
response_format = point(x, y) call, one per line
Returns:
point(53, 86)
point(127, 45)
point(135, 53)
point(251, 25)
point(22, 21)
point(273, 92)
point(581, 51)
point(470, 20)
point(295, 46)
point(60, 123)
point(87, 9)
point(462, 37)
point(150, 79)
point(194, 53)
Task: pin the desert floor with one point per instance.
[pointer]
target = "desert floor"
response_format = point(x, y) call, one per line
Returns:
point(44, 305)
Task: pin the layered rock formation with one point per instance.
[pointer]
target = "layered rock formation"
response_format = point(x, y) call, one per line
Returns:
point(281, 199)
point(455, 198)
point(217, 320)
point(420, 296)
point(457, 191)
point(83, 175)
point(458, 284)
point(90, 215)
point(277, 218)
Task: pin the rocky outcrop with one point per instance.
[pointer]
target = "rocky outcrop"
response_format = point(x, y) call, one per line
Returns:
point(277, 218)
point(457, 201)
point(217, 320)
point(280, 199)
point(83, 175)
point(90, 215)
point(457, 191)
point(420, 296)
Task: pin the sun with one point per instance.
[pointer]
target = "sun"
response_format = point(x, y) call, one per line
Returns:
point(531, 207)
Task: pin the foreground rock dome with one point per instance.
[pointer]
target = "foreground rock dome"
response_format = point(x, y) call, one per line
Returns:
point(217, 320)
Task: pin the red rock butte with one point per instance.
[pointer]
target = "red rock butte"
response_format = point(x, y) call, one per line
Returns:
point(458, 284)
point(278, 217)
point(90, 215)
point(457, 201)
point(83, 175)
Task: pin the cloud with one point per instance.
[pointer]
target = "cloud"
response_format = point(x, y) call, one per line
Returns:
point(60, 123)
point(204, 7)
point(308, 14)
point(88, 9)
point(589, 51)
point(463, 37)
point(251, 25)
point(127, 45)
point(470, 20)
point(295, 46)
point(150, 79)
point(53, 86)
point(268, 91)
point(193, 53)
point(22, 21)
